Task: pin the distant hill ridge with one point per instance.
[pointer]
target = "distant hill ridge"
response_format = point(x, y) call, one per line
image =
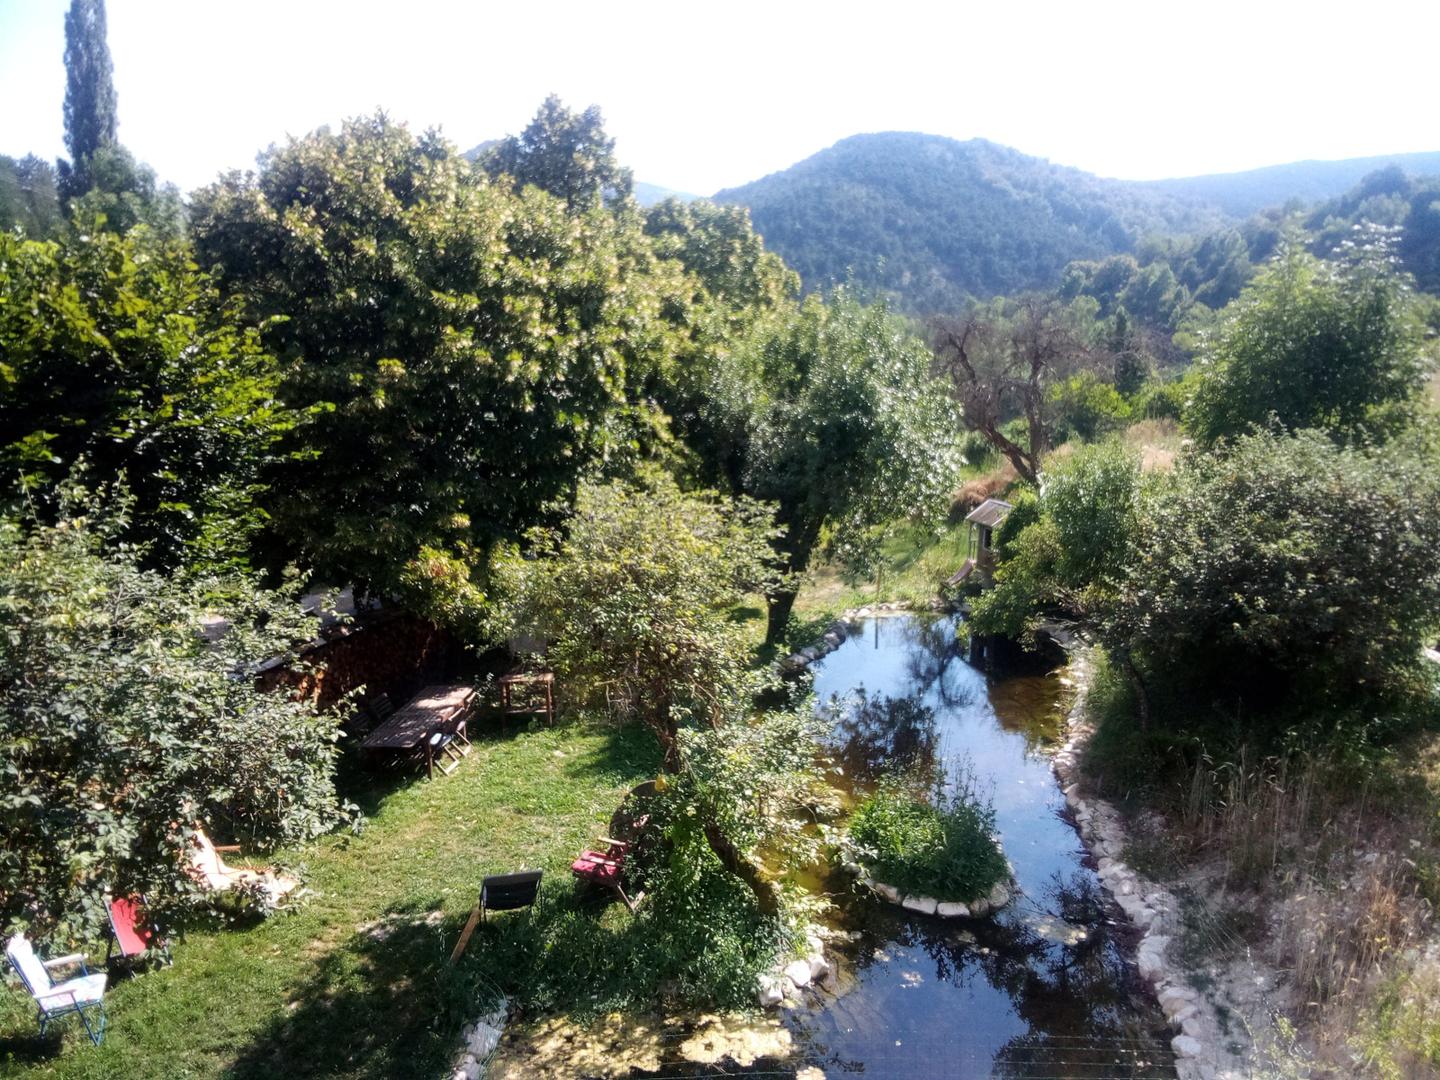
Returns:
point(933, 219)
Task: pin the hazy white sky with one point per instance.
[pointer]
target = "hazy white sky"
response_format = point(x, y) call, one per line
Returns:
point(704, 96)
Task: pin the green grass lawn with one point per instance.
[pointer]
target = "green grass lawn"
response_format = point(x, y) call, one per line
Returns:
point(313, 993)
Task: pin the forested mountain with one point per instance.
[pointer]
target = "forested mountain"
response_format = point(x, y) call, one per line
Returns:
point(933, 219)
point(1244, 193)
point(650, 194)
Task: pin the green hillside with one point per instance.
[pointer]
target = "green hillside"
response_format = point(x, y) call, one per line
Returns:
point(932, 219)
point(1244, 193)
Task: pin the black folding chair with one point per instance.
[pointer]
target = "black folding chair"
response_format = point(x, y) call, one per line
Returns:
point(499, 892)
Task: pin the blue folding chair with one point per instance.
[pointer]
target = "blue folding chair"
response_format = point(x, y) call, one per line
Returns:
point(54, 1000)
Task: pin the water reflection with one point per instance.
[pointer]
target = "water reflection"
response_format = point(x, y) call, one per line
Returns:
point(875, 735)
point(1042, 989)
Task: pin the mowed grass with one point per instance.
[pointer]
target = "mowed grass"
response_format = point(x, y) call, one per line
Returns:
point(325, 991)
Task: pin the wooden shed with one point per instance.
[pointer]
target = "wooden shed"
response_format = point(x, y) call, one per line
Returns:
point(980, 541)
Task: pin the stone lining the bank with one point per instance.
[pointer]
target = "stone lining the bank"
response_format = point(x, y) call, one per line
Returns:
point(478, 1042)
point(996, 899)
point(1202, 1046)
point(785, 985)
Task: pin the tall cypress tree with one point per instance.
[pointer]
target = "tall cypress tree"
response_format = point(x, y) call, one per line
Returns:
point(89, 91)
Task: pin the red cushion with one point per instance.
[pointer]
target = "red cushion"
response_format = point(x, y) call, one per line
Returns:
point(596, 871)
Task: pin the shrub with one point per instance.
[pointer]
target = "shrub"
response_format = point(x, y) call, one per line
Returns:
point(1313, 344)
point(946, 851)
point(1086, 407)
point(1286, 572)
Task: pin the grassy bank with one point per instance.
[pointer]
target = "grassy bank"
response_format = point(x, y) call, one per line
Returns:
point(355, 983)
point(1322, 863)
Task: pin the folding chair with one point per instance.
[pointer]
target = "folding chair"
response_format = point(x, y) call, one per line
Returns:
point(132, 931)
point(604, 868)
point(499, 892)
point(54, 1000)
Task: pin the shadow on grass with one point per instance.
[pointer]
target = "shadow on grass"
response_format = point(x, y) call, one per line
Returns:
point(387, 1002)
point(384, 1004)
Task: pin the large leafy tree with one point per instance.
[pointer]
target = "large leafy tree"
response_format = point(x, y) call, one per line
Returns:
point(847, 430)
point(119, 353)
point(459, 350)
point(90, 117)
point(1337, 345)
point(122, 723)
point(565, 153)
point(737, 286)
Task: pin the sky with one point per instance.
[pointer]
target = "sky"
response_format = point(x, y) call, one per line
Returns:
point(705, 96)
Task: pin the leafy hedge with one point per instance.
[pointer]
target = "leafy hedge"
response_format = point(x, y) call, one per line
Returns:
point(946, 851)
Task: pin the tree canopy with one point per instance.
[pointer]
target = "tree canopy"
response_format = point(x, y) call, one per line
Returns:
point(121, 357)
point(565, 153)
point(458, 351)
point(1313, 344)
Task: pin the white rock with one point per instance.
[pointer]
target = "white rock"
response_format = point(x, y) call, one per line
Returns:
point(1179, 1012)
point(1152, 966)
point(999, 896)
point(798, 972)
point(955, 910)
point(769, 991)
point(819, 967)
point(1186, 1046)
point(833, 639)
point(1192, 1026)
point(925, 905)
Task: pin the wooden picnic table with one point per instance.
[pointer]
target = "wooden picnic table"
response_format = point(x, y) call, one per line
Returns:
point(431, 711)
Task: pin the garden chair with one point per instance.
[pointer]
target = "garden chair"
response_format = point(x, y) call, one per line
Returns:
point(132, 931)
point(499, 892)
point(211, 871)
point(55, 1000)
point(604, 868)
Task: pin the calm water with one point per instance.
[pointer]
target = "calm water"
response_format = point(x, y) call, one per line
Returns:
point(1040, 990)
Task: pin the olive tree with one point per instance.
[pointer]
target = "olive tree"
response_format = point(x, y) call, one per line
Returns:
point(634, 599)
point(847, 430)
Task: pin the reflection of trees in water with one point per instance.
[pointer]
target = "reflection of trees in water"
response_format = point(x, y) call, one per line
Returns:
point(937, 648)
point(875, 735)
point(1073, 996)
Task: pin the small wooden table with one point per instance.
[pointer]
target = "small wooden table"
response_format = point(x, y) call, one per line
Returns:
point(530, 684)
point(434, 710)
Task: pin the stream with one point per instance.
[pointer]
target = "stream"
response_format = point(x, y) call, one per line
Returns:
point(1040, 990)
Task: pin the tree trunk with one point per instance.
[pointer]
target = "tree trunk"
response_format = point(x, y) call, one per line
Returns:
point(781, 603)
point(1142, 692)
point(800, 544)
point(767, 893)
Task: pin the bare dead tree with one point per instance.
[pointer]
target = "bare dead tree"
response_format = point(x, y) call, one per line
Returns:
point(1001, 365)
